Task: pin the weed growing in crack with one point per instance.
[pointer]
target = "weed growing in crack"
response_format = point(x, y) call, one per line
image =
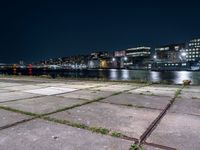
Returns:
point(117, 93)
point(116, 134)
point(100, 130)
point(178, 92)
point(135, 147)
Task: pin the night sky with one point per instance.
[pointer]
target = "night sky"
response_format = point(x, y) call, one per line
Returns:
point(34, 30)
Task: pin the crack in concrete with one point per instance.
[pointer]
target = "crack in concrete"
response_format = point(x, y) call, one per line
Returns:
point(155, 123)
point(159, 146)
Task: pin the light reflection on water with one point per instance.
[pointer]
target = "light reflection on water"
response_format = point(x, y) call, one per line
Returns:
point(125, 74)
point(183, 75)
point(155, 76)
point(114, 74)
point(174, 77)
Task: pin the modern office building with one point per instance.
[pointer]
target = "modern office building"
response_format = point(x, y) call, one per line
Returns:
point(121, 53)
point(137, 56)
point(192, 50)
point(170, 53)
point(119, 59)
point(170, 57)
point(136, 52)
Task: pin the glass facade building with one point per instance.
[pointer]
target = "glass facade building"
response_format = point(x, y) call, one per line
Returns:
point(193, 50)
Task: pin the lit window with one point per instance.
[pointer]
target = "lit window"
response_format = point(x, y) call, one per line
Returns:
point(184, 64)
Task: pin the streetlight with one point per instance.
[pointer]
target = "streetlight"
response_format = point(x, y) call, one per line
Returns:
point(155, 57)
point(113, 59)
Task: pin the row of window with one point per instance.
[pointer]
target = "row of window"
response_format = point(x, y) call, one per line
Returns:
point(171, 64)
point(183, 64)
point(197, 56)
point(191, 59)
point(193, 52)
point(197, 49)
point(195, 40)
point(194, 44)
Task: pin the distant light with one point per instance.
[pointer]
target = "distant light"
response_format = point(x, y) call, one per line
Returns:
point(113, 59)
point(125, 58)
point(155, 57)
point(183, 54)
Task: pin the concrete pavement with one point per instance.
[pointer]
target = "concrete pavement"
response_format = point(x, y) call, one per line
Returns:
point(93, 115)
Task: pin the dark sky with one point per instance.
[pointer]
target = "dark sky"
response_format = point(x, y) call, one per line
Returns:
point(32, 30)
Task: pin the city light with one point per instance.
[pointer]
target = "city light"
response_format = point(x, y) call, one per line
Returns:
point(183, 54)
point(113, 59)
point(155, 57)
point(125, 58)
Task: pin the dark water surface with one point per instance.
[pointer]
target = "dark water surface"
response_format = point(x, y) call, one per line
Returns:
point(173, 77)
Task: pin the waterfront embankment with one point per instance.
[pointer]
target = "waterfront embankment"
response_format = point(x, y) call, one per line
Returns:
point(45, 113)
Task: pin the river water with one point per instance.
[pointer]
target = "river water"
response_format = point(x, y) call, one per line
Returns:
point(173, 77)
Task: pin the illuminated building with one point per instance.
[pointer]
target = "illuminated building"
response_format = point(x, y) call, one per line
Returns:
point(192, 50)
point(104, 64)
point(170, 53)
point(135, 57)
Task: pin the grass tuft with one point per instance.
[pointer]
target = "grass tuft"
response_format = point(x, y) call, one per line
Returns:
point(100, 130)
point(178, 92)
point(117, 93)
point(116, 134)
point(135, 147)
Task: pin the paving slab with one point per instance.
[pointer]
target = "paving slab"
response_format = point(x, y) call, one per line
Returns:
point(76, 85)
point(147, 147)
point(129, 121)
point(23, 80)
point(178, 131)
point(190, 95)
point(115, 88)
point(23, 87)
point(7, 84)
point(49, 84)
point(153, 91)
point(167, 85)
point(42, 105)
point(51, 90)
point(165, 88)
point(139, 100)
point(87, 94)
point(8, 118)
point(191, 89)
point(4, 91)
point(43, 135)
point(10, 96)
point(82, 85)
point(186, 106)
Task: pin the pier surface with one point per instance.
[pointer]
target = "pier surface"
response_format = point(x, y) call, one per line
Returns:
point(62, 114)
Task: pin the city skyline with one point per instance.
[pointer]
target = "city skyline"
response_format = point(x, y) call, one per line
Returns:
point(37, 30)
